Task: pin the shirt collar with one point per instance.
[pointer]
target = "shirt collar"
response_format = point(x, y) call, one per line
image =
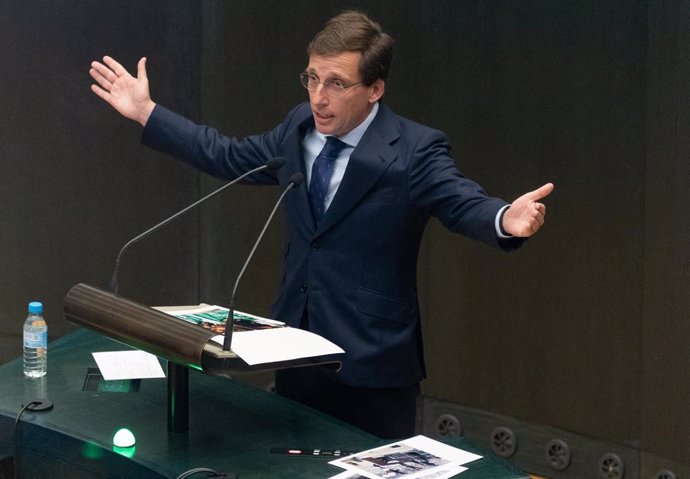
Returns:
point(353, 137)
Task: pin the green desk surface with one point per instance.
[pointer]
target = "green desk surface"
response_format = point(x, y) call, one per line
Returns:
point(232, 426)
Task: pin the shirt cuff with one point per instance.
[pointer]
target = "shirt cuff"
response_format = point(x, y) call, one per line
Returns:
point(499, 223)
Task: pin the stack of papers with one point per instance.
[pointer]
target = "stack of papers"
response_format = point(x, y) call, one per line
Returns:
point(415, 458)
point(256, 340)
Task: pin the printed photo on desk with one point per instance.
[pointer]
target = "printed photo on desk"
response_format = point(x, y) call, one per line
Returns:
point(416, 458)
point(213, 318)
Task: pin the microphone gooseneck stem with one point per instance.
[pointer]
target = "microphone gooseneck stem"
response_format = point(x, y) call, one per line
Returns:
point(295, 180)
point(272, 164)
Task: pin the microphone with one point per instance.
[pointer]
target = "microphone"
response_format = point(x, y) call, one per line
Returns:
point(294, 181)
point(271, 165)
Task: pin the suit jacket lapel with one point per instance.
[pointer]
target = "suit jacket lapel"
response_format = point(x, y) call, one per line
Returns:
point(369, 160)
point(297, 200)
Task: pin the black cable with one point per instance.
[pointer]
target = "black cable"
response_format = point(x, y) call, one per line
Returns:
point(16, 428)
point(211, 472)
point(33, 406)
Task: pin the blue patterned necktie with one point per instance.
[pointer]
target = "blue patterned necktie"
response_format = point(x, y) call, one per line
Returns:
point(321, 172)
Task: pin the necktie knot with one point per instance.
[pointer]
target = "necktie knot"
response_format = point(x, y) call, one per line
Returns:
point(332, 148)
point(321, 172)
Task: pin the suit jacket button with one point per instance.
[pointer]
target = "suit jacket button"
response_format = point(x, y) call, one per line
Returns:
point(303, 288)
point(315, 246)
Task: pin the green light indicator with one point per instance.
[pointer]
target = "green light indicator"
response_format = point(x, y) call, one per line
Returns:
point(124, 438)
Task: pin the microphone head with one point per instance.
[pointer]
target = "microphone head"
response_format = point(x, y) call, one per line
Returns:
point(296, 179)
point(275, 163)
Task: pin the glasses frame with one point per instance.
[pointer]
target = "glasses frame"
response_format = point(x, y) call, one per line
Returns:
point(329, 85)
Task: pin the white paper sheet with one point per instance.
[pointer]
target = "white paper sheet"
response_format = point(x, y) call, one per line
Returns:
point(278, 344)
point(415, 458)
point(128, 365)
point(446, 473)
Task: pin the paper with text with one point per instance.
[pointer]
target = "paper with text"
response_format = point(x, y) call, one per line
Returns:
point(128, 365)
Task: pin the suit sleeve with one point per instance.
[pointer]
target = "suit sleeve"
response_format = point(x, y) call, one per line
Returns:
point(207, 149)
point(440, 190)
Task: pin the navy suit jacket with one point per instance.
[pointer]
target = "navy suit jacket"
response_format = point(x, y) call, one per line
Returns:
point(355, 273)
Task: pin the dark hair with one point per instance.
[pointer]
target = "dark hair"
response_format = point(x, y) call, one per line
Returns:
point(353, 31)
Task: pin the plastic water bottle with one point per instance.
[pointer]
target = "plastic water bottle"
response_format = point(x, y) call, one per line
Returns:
point(35, 342)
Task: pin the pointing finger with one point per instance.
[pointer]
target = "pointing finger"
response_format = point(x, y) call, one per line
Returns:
point(541, 192)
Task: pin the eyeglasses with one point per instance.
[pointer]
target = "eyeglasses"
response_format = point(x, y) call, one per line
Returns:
point(332, 86)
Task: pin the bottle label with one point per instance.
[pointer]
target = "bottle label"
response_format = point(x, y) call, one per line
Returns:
point(36, 340)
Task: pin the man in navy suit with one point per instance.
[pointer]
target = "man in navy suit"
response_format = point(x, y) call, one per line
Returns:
point(373, 181)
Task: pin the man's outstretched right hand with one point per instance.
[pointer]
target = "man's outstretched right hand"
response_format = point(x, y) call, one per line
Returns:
point(127, 94)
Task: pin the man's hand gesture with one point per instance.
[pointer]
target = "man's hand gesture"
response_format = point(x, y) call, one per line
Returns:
point(127, 94)
point(525, 215)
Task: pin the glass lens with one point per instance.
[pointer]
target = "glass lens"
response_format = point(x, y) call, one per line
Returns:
point(304, 80)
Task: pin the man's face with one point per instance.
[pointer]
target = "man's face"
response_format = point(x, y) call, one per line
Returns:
point(338, 112)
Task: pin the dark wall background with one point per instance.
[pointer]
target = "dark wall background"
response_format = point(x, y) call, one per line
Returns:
point(556, 92)
point(75, 183)
point(664, 357)
point(584, 329)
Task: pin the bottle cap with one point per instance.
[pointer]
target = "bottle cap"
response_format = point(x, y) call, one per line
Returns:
point(35, 307)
